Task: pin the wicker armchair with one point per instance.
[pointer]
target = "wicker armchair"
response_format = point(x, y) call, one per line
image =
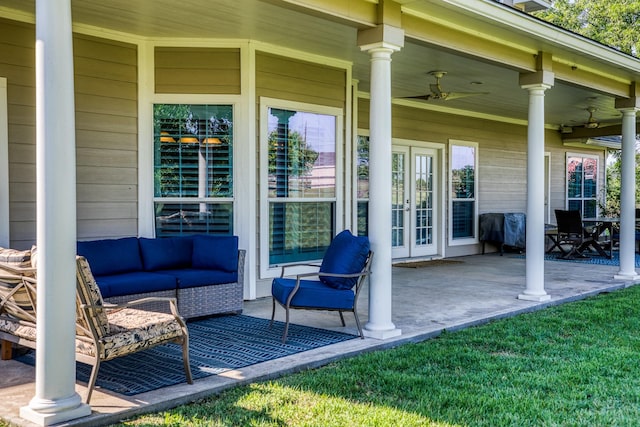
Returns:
point(103, 331)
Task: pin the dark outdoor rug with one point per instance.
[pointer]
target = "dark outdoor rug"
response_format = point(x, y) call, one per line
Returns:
point(592, 259)
point(216, 345)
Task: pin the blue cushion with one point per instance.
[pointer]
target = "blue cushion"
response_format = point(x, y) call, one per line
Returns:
point(312, 294)
point(346, 255)
point(193, 278)
point(111, 256)
point(166, 253)
point(215, 253)
point(137, 282)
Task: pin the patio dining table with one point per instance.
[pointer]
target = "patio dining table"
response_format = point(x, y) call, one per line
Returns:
point(601, 225)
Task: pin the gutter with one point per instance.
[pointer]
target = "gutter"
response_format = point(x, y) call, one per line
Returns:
point(522, 22)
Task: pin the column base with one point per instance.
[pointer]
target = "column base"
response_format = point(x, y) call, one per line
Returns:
point(536, 298)
point(382, 334)
point(47, 419)
point(626, 276)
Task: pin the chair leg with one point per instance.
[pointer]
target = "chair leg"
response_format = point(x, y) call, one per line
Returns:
point(273, 311)
point(185, 359)
point(286, 326)
point(5, 350)
point(92, 379)
point(355, 314)
point(342, 319)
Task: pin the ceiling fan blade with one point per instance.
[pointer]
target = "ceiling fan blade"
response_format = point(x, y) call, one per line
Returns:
point(422, 97)
point(455, 95)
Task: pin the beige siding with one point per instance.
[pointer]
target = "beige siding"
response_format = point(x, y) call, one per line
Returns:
point(294, 80)
point(106, 134)
point(197, 70)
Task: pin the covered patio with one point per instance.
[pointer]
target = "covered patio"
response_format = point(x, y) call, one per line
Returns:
point(442, 295)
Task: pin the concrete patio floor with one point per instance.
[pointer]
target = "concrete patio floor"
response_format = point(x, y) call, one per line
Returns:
point(448, 294)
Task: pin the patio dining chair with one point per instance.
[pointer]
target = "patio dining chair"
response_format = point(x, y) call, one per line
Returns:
point(345, 265)
point(571, 231)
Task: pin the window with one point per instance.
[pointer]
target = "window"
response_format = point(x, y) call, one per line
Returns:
point(193, 169)
point(463, 190)
point(362, 190)
point(582, 184)
point(301, 174)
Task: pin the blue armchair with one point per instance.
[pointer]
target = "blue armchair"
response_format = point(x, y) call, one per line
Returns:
point(341, 275)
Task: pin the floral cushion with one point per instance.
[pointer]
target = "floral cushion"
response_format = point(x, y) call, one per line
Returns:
point(134, 330)
point(18, 329)
point(88, 293)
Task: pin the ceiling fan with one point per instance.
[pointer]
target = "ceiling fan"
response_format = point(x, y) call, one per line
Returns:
point(438, 93)
point(592, 123)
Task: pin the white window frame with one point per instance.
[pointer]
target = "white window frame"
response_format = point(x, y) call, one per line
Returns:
point(267, 271)
point(467, 240)
point(4, 165)
point(354, 185)
point(598, 179)
point(193, 99)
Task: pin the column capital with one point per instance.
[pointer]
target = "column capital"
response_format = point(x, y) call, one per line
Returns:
point(538, 80)
point(381, 37)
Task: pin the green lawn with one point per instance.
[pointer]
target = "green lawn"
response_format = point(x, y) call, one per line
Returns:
point(571, 365)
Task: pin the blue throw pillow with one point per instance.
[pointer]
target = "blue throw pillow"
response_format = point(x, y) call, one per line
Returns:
point(215, 252)
point(111, 256)
point(166, 253)
point(346, 255)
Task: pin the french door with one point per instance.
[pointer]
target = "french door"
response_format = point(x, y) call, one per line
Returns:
point(415, 223)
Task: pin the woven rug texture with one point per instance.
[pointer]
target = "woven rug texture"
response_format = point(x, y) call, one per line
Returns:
point(216, 345)
point(592, 259)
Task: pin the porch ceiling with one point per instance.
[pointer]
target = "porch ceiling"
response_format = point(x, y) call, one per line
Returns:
point(283, 24)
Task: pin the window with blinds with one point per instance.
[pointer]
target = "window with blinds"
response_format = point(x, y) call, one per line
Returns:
point(301, 184)
point(193, 169)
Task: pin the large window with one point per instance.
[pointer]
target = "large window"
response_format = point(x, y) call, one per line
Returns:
point(301, 182)
point(463, 190)
point(582, 184)
point(193, 169)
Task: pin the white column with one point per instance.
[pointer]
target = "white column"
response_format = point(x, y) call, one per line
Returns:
point(55, 398)
point(380, 325)
point(535, 196)
point(628, 197)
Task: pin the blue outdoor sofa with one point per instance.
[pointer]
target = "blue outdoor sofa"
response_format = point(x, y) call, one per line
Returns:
point(203, 272)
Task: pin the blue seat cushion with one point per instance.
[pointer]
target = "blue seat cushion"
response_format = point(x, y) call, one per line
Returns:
point(166, 253)
point(136, 282)
point(193, 278)
point(215, 253)
point(346, 255)
point(111, 256)
point(312, 294)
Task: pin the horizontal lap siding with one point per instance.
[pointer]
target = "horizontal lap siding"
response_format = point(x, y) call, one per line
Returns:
point(197, 70)
point(17, 64)
point(294, 80)
point(106, 134)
